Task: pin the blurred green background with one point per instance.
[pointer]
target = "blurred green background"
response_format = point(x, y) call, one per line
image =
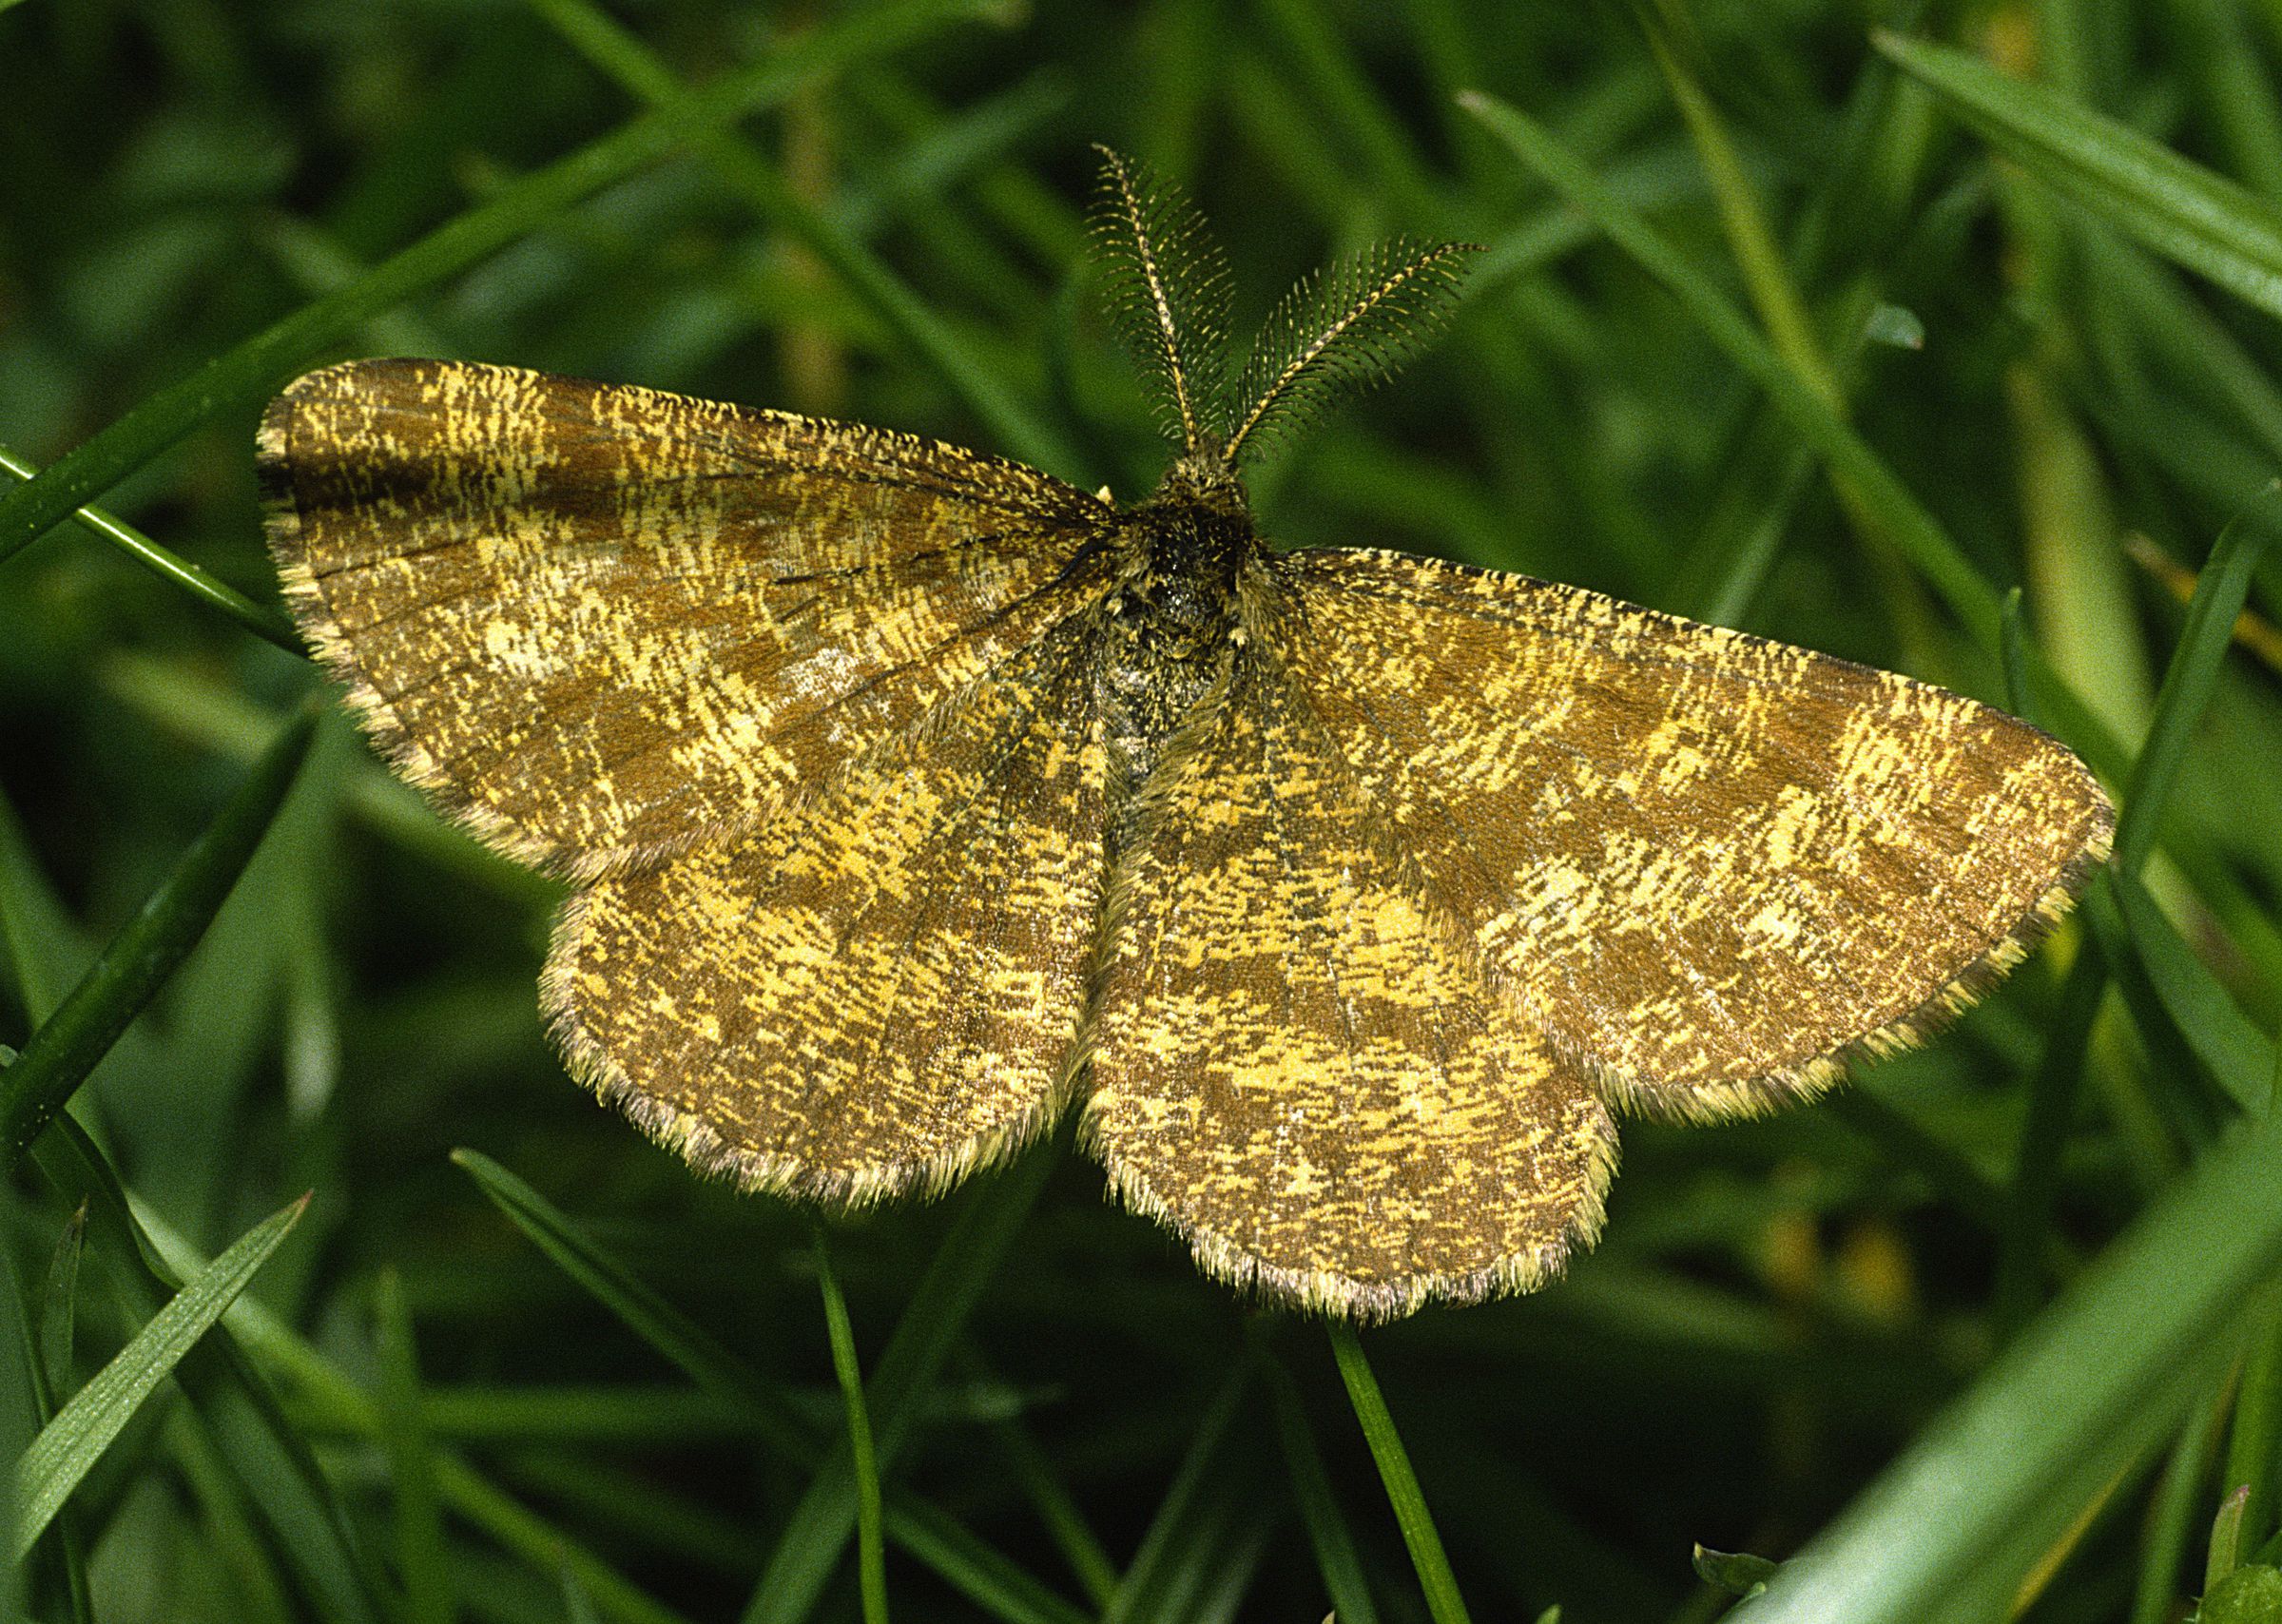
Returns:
point(1989, 1336)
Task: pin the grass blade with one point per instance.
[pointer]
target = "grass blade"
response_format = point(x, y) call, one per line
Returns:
point(2098, 1377)
point(811, 1547)
point(1146, 1589)
point(618, 53)
point(1443, 1603)
point(263, 621)
point(2229, 1045)
point(978, 1571)
point(1853, 465)
point(2220, 591)
point(58, 1056)
point(712, 1366)
point(2178, 208)
point(871, 1555)
point(266, 359)
point(1336, 1558)
point(419, 1532)
point(70, 1444)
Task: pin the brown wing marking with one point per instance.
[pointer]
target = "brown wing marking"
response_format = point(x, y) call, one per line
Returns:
point(879, 989)
point(1298, 1069)
point(601, 624)
point(1713, 866)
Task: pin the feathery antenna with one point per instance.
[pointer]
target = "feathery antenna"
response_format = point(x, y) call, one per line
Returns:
point(1169, 294)
point(1344, 328)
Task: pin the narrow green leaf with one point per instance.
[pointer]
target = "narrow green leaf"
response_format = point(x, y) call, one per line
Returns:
point(1336, 1558)
point(1852, 464)
point(2176, 1501)
point(1149, 1588)
point(519, 1529)
point(1096, 1575)
point(270, 1461)
point(59, 1305)
point(1419, 1533)
point(1000, 1587)
point(619, 53)
point(2255, 1446)
point(2178, 208)
point(2220, 591)
point(978, 1571)
point(65, 1048)
point(55, 1376)
point(2096, 1381)
point(811, 1547)
point(262, 620)
point(70, 1444)
point(2227, 1043)
point(422, 1564)
point(871, 1555)
point(1738, 1573)
point(639, 1307)
point(270, 357)
point(2226, 1536)
point(1773, 292)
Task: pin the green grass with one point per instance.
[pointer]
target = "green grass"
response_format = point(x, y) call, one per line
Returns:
point(1995, 1334)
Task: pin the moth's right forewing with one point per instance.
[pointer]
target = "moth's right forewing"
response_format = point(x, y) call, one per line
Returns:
point(604, 624)
point(1712, 867)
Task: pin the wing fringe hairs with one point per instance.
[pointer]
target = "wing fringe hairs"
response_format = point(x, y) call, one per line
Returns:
point(1328, 1291)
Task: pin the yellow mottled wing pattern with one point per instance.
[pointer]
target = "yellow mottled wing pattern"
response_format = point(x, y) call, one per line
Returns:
point(1300, 1068)
point(1709, 866)
point(602, 623)
point(879, 988)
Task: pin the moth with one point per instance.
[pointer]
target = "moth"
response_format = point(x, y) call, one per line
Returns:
point(912, 797)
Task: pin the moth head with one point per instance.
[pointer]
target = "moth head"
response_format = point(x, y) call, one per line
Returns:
point(1341, 329)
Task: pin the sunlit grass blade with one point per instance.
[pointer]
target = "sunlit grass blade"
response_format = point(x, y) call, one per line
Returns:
point(1901, 516)
point(1335, 1557)
point(262, 620)
point(2096, 1381)
point(58, 1056)
point(933, 1320)
point(2176, 207)
point(871, 1556)
point(70, 1445)
point(267, 359)
point(1443, 1603)
point(1773, 292)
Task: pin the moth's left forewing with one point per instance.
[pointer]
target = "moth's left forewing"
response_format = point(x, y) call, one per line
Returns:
point(1712, 867)
point(602, 625)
